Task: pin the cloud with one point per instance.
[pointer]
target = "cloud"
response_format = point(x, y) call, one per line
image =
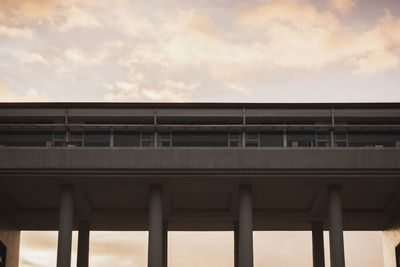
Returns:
point(168, 90)
point(278, 35)
point(165, 90)
point(288, 12)
point(297, 35)
point(15, 31)
point(31, 58)
point(236, 87)
point(76, 18)
point(17, 11)
point(83, 58)
point(343, 6)
point(376, 63)
point(31, 95)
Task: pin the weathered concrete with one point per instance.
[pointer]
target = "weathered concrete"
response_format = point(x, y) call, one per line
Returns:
point(155, 252)
point(65, 226)
point(317, 229)
point(336, 227)
point(200, 158)
point(83, 244)
point(246, 258)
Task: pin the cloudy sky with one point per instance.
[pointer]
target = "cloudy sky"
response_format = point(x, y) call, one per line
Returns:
point(200, 50)
point(194, 249)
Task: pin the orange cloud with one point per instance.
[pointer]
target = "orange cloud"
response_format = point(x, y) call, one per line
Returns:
point(295, 14)
point(31, 95)
point(297, 35)
point(281, 34)
point(165, 90)
point(31, 58)
point(25, 10)
point(343, 6)
point(15, 32)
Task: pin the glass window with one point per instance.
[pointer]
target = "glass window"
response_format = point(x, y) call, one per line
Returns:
point(199, 139)
point(271, 139)
point(235, 139)
point(59, 135)
point(147, 139)
point(76, 135)
point(147, 143)
point(340, 139)
point(164, 139)
point(97, 138)
point(126, 138)
point(373, 139)
point(323, 139)
point(301, 139)
point(252, 139)
point(59, 138)
point(25, 138)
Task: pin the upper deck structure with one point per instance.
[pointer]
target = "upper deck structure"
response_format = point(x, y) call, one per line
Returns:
point(200, 166)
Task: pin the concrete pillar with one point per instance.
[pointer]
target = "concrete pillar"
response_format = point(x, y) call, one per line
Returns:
point(155, 251)
point(83, 244)
point(65, 226)
point(336, 227)
point(236, 243)
point(245, 227)
point(318, 244)
point(165, 244)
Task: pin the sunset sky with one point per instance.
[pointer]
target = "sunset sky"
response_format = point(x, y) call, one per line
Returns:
point(201, 249)
point(200, 50)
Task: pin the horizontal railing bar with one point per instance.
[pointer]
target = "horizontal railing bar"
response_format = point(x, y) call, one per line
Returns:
point(283, 126)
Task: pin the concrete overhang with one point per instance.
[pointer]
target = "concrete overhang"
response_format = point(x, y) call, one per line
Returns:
point(200, 186)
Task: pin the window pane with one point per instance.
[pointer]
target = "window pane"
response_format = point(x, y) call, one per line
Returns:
point(74, 143)
point(164, 143)
point(236, 143)
point(340, 136)
point(76, 135)
point(251, 144)
point(303, 139)
point(236, 136)
point(126, 139)
point(97, 139)
point(202, 139)
point(323, 136)
point(25, 138)
point(251, 136)
point(341, 144)
point(59, 143)
point(164, 136)
point(147, 143)
point(324, 144)
point(367, 139)
point(147, 136)
point(271, 139)
point(59, 135)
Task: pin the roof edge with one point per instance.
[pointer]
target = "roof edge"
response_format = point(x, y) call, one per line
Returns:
point(123, 105)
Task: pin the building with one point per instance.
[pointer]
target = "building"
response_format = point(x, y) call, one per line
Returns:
point(199, 166)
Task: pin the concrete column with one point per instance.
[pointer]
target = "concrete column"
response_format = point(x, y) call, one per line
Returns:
point(336, 227)
point(165, 244)
point(245, 227)
point(236, 243)
point(83, 244)
point(155, 255)
point(318, 244)
point(65, 226)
